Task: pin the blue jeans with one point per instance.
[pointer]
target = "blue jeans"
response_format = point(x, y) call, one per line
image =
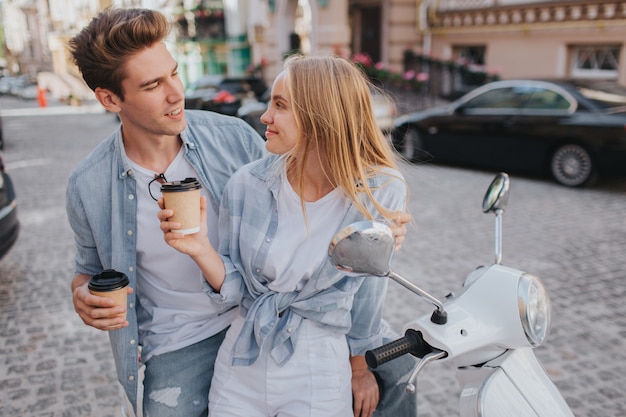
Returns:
point(392, 378)
point(177, 383)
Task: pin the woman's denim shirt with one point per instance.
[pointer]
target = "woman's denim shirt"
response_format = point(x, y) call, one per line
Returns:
point(247, 226)
point(101, 209)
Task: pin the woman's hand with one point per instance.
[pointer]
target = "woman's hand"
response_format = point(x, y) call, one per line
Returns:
point(398, 227)
point(191, 244)
point(196, 245)
point(365, 391)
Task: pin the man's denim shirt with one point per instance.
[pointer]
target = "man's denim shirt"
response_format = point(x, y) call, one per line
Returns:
point(247, 225)
point(101, 209)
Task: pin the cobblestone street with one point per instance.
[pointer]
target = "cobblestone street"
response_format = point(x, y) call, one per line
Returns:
point(52, 365)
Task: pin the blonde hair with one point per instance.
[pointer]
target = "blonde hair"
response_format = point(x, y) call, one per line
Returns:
point(332, 106)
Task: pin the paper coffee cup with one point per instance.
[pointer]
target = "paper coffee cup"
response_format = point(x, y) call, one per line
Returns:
point(112, 284)
point(184, 198)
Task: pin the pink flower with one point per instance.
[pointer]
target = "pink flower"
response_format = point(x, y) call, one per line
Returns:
point(362, 59)
point(409, 75)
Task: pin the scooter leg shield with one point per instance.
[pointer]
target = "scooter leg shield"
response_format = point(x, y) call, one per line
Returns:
point(513, 385)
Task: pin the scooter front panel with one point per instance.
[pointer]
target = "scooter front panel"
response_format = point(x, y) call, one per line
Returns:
point(492, 394)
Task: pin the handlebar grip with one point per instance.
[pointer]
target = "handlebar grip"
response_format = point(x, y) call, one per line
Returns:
point(412, 342)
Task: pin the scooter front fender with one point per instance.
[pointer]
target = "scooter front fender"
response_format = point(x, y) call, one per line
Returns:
point(512, 385)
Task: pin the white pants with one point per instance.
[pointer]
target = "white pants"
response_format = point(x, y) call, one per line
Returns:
point(315, 382)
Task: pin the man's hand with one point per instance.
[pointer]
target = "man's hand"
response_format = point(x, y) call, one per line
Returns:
point(399, 227)
point(365, 392)
point(96, 311)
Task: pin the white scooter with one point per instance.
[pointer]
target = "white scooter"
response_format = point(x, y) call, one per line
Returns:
point(487, 330)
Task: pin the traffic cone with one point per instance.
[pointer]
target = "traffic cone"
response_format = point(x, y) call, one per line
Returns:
point(41, 97)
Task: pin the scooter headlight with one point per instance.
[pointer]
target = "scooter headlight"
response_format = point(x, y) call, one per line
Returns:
point(535, 309)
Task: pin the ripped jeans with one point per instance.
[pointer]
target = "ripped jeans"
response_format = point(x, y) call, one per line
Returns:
point(177, 383)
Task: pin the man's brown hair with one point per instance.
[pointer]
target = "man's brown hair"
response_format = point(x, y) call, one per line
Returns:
point(103, 47)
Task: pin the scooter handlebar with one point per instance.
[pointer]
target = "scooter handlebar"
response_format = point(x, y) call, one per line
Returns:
point(412, 342)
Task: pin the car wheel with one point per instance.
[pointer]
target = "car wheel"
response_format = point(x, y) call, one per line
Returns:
point(571, 165)
point(408, 143)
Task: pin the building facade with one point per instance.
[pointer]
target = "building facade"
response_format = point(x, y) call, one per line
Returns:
point(521, 39)
point(510, 38)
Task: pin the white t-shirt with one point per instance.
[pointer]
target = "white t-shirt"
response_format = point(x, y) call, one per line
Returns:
point(296, 253)
point(173, 310)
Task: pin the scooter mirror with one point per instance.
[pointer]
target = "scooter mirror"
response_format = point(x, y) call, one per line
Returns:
point(366, 248)
point(497, 194)
point(363, 248)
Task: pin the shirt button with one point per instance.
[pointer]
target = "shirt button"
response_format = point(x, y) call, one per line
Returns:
point(131, 377)
point(257, 270)
point(131, 305)
point(289, 329)
point(268, 240)
point(129, 232)
point(131, 197)
point(130, 268)
point(132, 342)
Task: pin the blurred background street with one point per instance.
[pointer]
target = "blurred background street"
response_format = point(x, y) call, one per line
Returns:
point(52, 365)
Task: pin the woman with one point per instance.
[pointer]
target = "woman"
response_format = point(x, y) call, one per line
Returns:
point(287, 354)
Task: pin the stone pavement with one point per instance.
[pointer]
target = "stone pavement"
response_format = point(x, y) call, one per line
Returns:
point(52, 365)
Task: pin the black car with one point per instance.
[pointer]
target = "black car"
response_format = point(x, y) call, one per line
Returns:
point(569, 129)
point(223, 94)
point(9, 225)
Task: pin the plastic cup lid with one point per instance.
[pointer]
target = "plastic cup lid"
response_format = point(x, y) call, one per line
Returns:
point(108, 280)
point(188, 184)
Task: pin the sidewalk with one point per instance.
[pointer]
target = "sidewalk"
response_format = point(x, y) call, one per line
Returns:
point(15, 107)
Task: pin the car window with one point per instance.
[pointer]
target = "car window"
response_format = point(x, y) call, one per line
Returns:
point(499, 98)
point(520, 97)
point(243, 86)
point(545, 99)
point(205, 82)
point(235, 86)
point(608, 95)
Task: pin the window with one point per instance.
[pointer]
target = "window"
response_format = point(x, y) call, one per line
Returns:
point(500, 98)
point(527, 97)
point(607, 94)
point(595, 61)
point(544, 99)
point(470, 55)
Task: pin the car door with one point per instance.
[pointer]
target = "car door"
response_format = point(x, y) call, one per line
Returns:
point(476, 132)
point(544, 119)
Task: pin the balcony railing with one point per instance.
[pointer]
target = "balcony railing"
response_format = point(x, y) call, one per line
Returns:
point(483, 13)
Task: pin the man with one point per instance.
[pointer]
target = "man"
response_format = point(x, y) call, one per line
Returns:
point(174, 327)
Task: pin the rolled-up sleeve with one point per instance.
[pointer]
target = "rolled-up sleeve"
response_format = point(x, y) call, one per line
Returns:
point(367, 309)
point(87, 260)
point(367, 329)
point(232, 288)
